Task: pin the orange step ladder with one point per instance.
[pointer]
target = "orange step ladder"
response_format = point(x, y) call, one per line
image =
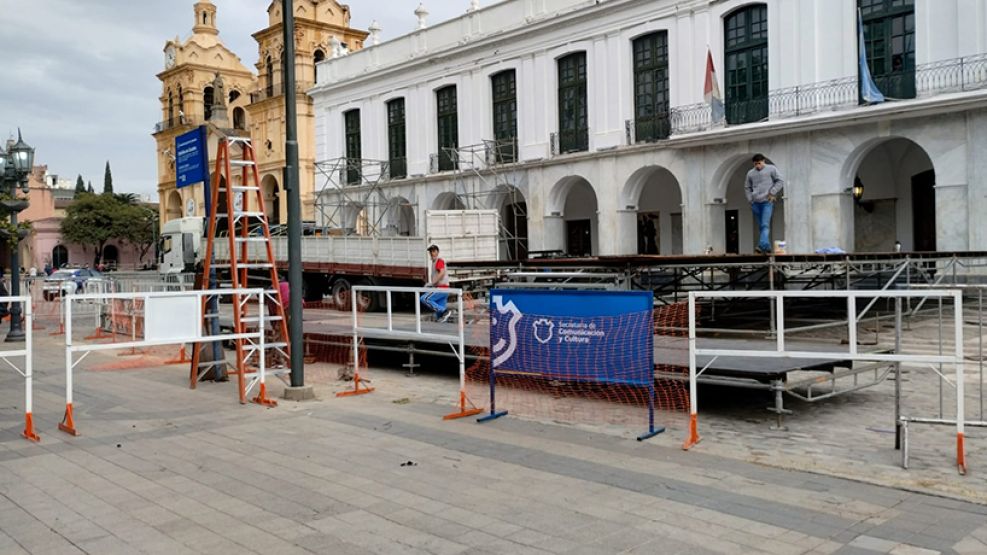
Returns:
point(245, 224)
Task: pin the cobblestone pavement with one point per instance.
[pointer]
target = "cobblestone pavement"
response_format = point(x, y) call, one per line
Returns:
point(161, 469)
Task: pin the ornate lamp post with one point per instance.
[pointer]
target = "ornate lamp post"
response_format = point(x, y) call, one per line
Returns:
point(15, 166)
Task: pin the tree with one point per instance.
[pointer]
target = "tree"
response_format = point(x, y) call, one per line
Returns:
point(107, 180)
point(93, 220)
point(80, 186)
point(143, 228)
point(90, 191)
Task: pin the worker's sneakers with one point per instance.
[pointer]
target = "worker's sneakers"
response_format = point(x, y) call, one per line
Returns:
point(444, 316)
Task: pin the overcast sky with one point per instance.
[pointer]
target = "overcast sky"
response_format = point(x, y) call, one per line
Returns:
point(78, 76)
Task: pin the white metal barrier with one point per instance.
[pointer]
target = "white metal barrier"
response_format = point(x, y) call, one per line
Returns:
point(392, 329)
point(975, 305)
point(170, 318)
point(26, 369)
point(852, 354)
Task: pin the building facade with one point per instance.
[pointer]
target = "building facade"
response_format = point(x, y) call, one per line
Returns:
point(254, 106)
point(589, 118)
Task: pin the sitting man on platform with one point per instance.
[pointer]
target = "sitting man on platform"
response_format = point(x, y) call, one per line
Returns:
point(436, 301)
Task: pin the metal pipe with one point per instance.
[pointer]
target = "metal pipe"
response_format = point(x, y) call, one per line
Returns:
point(295, 332)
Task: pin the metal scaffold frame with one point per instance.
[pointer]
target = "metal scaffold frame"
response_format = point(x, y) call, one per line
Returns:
point(486, 176)
point(356, 183)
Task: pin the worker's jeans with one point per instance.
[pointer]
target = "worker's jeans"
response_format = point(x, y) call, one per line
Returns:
point(762, 215)
point(435, 301)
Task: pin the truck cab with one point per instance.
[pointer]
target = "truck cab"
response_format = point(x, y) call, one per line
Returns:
point(180, 246)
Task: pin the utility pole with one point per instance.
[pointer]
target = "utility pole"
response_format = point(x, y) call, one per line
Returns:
point(295, 329)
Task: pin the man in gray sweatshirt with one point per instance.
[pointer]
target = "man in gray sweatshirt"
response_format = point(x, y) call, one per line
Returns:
point(764, 184)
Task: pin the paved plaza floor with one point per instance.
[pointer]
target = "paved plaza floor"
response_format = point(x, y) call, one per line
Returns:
point(162, 469)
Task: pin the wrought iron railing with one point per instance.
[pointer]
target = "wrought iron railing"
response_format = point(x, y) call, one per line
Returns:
point(947, 76)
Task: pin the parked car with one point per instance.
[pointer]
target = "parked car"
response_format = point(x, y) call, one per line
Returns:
point(69, 281)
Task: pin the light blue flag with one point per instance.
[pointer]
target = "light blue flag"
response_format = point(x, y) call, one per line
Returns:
point(868, 89)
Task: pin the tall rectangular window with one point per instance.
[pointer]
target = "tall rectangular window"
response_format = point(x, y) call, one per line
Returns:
point(505, 115)
point(354, 163)
point(746, 41)
point(889, 35)
point(651, 105)
point(573, 113)
point(448, 127)
point(397, 146)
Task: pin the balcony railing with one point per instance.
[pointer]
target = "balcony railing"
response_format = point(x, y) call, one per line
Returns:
point(277, 89)
point(947, 76)
point(175, 122)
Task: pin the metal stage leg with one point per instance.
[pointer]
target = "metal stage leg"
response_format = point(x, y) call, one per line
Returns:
point(778, 386)
point(410, 365)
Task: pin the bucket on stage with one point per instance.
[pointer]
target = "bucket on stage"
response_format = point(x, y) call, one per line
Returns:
point(780, 247)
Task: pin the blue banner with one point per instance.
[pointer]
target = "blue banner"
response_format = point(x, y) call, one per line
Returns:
point(191, 158)
point(587, 336)
point(868, 89)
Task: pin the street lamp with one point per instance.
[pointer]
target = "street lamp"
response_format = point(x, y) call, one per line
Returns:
point(16, 165)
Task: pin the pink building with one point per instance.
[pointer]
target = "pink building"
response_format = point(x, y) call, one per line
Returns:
point(45, 244)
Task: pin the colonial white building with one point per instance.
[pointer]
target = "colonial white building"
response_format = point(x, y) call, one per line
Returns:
point(604, 101)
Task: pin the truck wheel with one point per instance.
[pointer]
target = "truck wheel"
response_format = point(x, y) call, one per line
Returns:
point(369, 300)
point(341, 294)
point(313, 289)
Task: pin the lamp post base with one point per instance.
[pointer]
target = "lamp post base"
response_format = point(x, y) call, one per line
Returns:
point(15, 336)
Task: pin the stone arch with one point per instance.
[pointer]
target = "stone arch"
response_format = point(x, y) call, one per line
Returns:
point(111, 256)
point(173, 207)
point(572, 202)
point(899, 196)
point(512, 206)
point(448, 201)
point(59, 256)
point(650, 213)
point(271, 192)
point(400, 218)
point(734, 229)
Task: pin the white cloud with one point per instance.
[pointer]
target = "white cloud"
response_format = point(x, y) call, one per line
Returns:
point(79, 75)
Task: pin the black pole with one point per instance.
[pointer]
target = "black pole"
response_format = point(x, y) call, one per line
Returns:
point(294, 200)
point(16, 330)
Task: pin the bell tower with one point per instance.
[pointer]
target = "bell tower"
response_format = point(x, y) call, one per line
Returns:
point(205, 18)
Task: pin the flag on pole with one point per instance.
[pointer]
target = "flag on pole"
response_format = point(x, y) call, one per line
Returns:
point(711, 92)
point(869, 92)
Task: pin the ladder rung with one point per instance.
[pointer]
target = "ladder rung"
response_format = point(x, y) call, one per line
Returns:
point(242, 163)
point(255, 319)
point(238, 139)
point(243, 188)
point(246, 266)
point(249, 215)
point(250, 239)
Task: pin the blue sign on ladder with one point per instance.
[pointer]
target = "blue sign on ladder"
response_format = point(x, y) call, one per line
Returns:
point(191, 158)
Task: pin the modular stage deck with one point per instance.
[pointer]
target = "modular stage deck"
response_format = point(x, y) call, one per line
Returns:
point(671, 277)
point(799, 377)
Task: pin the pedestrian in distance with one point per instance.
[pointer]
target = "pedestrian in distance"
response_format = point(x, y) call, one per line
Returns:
point(764, 184)
point(437, 301)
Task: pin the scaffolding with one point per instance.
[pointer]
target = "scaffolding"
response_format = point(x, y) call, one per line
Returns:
point(486, 176)
point(354, 200)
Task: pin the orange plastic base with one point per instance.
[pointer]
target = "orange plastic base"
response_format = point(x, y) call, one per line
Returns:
point(67, 424)
point(182, 358)
point(464, 402)
point(356, 389)
point(29, 428)
point(960, 454)
point(132, 352)
point(100, 334)
point(693, 433)
point(262, 399)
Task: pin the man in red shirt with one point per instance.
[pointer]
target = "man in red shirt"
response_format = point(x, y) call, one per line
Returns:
point(436, 302)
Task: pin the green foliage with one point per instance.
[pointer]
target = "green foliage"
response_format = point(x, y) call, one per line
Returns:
point(93, 220)
point(107, 180)
point(80, 186)
point(90, 191)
